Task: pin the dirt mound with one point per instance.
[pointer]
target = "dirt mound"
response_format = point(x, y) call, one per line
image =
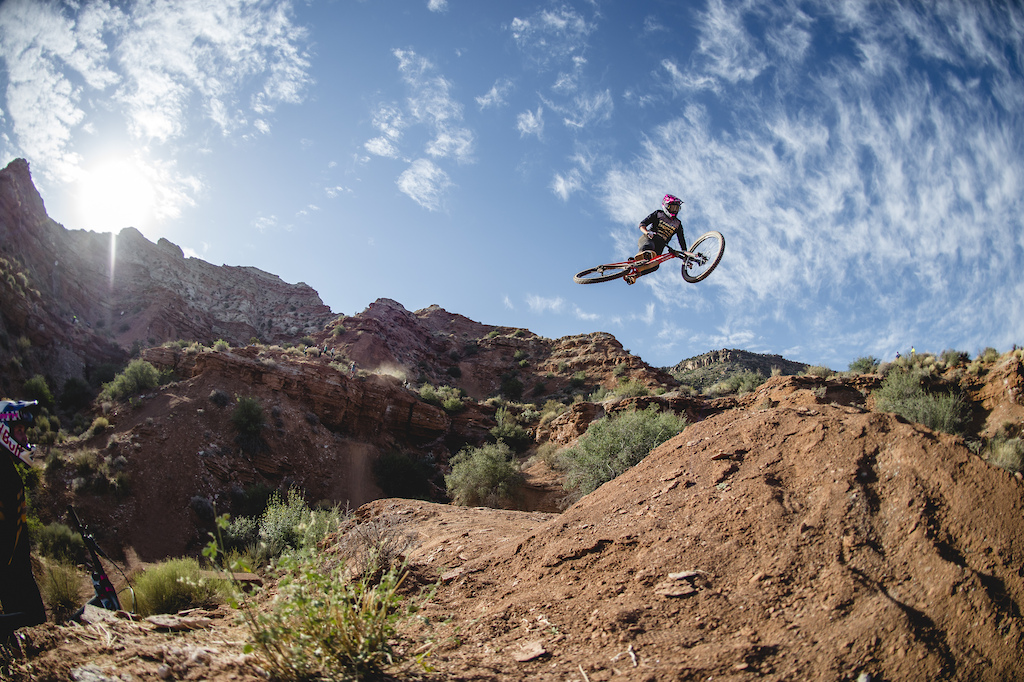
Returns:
point(796, 542)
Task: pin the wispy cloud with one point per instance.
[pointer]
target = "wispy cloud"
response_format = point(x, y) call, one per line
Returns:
point(432, 108)
point(542, 304)
point(424, 183)
point(431, 103)
point(551, 36)
point(497, 95)
point(530, 122)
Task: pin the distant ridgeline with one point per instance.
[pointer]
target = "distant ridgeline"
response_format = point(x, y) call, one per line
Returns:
point(714, 366)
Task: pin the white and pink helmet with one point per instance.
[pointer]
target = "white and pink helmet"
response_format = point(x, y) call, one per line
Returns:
point(670, 204)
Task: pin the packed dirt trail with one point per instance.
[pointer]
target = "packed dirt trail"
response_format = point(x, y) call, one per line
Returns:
point(799, 542)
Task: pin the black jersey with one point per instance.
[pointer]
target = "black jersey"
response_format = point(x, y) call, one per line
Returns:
point(665, 225)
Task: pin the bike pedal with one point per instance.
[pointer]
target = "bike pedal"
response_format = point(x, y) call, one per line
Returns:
point(629, 279)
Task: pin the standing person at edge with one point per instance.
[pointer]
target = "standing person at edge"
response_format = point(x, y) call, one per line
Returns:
point(657, 230)
point(19, 594)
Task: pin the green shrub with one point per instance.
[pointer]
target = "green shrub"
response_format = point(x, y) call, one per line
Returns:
point(736, 384)
point(446, 397)
point(138, 376)
point(631, 388)
point(173, 586)
point(509, 430)
point(249, 420)
point(551, 409)
point(323, 626)
point(283, 521)
point(614, 444)
point(59, 542)
point(866, 364)
point(951, 357)
point(818, 371)
point(36, 388)
point(902, 391)
point(484, 476)
point(988, 354)
point(221, 345)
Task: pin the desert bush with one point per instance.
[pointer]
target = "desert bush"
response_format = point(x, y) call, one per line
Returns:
point(866, 364)
point(58, 542)
point(988, 354)
point(322, 626)
point(138, 376)
point(1006, 452)
point(400, 474)
point(174, 585)
point(484, 476)
point(631, 388)
point(903, 392)
point(509, 430)
point(249, 420)
point(578, 379)
point(736, 384)
point(221, 345)
point(950, 357)
point(376, 546)
point(36, 388)
point(613, 444)
point(551, 409)
point(61, 590)
point(282, 522)
point(98, 426)
point(818, 371)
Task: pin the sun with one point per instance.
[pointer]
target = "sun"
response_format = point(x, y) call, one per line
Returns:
point(116, 194)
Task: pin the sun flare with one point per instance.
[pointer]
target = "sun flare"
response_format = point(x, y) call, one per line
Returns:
point(116, 194)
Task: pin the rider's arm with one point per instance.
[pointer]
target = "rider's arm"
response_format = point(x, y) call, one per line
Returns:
point(647, 222)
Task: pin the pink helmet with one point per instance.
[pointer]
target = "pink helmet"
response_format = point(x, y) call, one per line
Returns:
point(670, 204)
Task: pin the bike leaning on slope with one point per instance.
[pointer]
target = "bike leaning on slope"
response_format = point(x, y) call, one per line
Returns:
point(698, 261)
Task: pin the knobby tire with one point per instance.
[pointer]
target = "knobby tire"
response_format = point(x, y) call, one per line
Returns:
point(711, 245)
point(589, 276)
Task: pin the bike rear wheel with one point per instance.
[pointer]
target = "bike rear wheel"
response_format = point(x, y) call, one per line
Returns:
point(708, 250)
point(602, 273)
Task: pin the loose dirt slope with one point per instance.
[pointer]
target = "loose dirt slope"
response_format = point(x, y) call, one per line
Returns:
point(799, 542)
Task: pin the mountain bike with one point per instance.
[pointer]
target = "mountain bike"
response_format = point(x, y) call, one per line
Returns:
point(698, 261)
point(105, 596)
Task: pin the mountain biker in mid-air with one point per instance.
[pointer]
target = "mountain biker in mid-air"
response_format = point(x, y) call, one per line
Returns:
point(657, 229)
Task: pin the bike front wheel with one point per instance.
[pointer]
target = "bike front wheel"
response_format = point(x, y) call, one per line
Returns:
point(707, 251)
point(602, 273)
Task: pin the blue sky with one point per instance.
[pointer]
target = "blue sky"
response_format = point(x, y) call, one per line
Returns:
point(865, 161)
